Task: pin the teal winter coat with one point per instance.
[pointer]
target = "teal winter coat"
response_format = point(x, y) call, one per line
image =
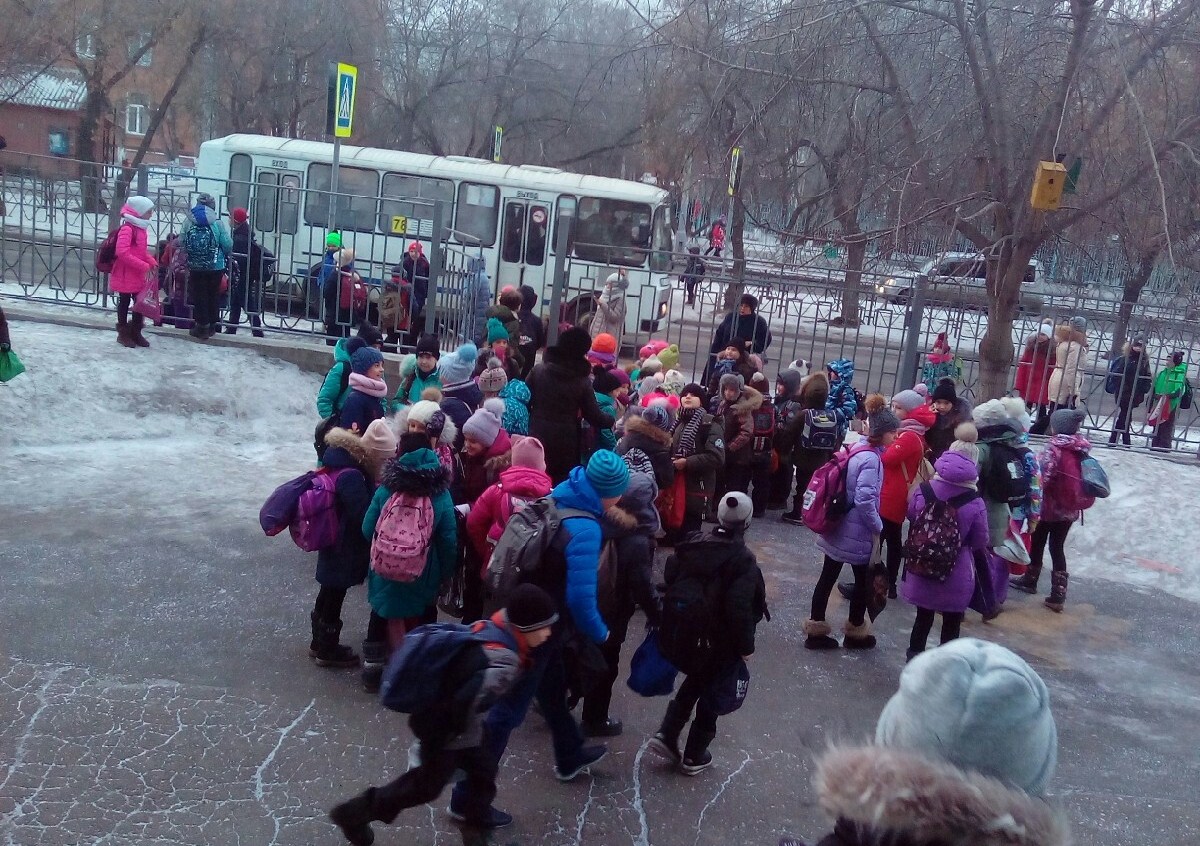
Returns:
point(336, 386)
point(516, 407)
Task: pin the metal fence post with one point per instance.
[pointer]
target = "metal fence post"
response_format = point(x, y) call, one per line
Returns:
point(559, 282)
point(906, 378)
point(435, 269)
point(143, 180)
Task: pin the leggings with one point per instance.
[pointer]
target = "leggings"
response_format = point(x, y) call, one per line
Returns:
point(893, 537)
point(123, 303)
point(328, 607)
point(951, 624)
point(1056, 532)
point(829, 576)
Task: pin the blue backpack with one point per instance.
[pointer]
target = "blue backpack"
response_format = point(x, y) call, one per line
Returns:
point(417, 674)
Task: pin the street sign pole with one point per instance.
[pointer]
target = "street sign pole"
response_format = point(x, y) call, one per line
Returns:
point(343, 85)
point(333, 183)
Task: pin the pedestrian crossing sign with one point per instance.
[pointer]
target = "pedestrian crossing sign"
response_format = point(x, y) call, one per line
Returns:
point(344, 82)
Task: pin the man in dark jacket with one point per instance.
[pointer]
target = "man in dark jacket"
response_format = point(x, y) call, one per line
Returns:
point(533, 332)
point(560, 392)
point(1129, 380)
point(250, 265)
point(721, 558)
point(744, 322)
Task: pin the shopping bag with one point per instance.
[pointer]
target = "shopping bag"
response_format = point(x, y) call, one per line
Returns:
point(672, 503)
point(10, 366)
point(650, 674)
point(148, 303)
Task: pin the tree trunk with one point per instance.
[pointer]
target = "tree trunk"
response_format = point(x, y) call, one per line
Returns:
point(856, 256)
point(996, 349)
point(91, 174)
point(1131, 293)
point(737, 243)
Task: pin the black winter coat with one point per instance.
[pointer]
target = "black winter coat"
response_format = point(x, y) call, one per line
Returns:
point(560, 393)
point(941, 434)
point(345, 565)
point(700, 468)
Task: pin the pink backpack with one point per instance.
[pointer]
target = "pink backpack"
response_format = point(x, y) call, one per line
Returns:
point(400, 546)
point(315, 525)
point(509, 505)
point(826, 500)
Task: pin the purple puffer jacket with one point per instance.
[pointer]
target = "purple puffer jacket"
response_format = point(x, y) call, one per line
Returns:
point(953, 595)
point(850, 542)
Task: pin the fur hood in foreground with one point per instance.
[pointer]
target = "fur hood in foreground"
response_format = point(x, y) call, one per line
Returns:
point(635, 425)
point(750, 401)
point(880, 795)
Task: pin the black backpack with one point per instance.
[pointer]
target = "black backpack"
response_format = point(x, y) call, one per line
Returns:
point(330, 422)
point(1004, 477)
point(692, 607)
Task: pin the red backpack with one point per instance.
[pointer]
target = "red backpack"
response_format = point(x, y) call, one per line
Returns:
point(1066, 485)
point(763, 439)
point(352, 292)
point(826, 500)
point(106, 253)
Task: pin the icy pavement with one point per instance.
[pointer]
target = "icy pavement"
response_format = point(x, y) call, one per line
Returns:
point(155, 686)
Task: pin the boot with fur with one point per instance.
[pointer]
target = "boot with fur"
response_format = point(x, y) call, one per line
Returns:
point(818, 635)
point(374, 657)
point(1058, 591)
point(858, 637)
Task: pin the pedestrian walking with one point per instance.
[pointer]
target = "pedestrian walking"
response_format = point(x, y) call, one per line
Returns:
point(133, 269)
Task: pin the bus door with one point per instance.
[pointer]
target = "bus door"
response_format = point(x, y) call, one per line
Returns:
point(275, 218)
point(524, 238)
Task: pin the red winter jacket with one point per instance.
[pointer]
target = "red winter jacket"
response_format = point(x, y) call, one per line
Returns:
point(900, 464)
point(1033, 373)
point(489, 513)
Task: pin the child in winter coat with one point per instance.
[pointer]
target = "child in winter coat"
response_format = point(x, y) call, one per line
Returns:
point(646, 444)
point(957, 473)
point(735, 359)
point(336, 386)
point(1170, 387)
point(133, 269)
point(736, 410)
point(460, 395)
point(365, 402)
point(951, 411)
point(902, 463)
point(853, 539)
point(604, 351)
point(451, 730)
point(427, 418)
point(698, 452)
point(397, 607)
point(492, 379)
point(762, 445)
point(806, 458)
point(606, 386)
point(1033, 372)
point(515, 394)
point(789, 420)
point(418, 372)
point(722, 557)
point(356, 462)
point(497, 349)
point(524, 481)
point(1063, 502)
point(486, 451)
point(841, 401)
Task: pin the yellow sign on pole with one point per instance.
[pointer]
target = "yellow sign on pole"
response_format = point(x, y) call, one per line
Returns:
point(399, 225)
point(735, 169)
point(347, 86)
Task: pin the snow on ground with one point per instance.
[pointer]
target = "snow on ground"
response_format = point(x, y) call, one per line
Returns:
point(181, 427)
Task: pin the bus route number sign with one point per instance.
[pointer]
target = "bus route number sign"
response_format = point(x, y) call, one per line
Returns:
point(399, 225)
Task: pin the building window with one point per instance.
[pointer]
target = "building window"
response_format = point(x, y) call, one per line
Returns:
point(85, 45)
point(59, 142)
point(136, 43)
point(136, 118)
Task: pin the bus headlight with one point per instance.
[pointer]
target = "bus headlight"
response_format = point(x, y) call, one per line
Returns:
point(663, 309)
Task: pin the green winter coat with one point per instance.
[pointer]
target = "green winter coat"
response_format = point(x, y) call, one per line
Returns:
point(606, 438)
point(332, 394)
point(1171, 382)
point(413, 382)
point(420, 473)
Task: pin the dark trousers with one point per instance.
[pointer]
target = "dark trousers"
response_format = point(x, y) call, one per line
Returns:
point(737, 478)
point(1056, 533)
point(328, 607)
point(689, 697)
point(829, 575)
point(1121, 425)
point(123, 303)
point(760, 481)
point(596, 703)
point(781, 482)
point(951, 626)
point(807, 463)
point(425, 782)
point(1164, 433)
point(206, 293)
point(245, 295)
point(893, 538)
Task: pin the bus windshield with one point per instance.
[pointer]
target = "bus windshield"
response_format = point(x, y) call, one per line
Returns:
point(660, 258)
point(612, 231)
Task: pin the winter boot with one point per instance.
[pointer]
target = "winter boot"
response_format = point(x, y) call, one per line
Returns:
point(1027, 583)
point(858, 637)
point(354, 818)
point(818, 635)
point(665, 743)
point(1058, 591)
point(256, 323)
point(331, 653)
point(135, 330)
point(314, 645)
point(696, 757)
point(374, 657)
point(124, 336)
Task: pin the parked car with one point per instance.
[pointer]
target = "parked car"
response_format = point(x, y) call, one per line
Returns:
point(960, 279)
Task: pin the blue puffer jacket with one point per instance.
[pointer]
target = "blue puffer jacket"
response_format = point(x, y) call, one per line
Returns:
point(841, 399)
point(578, 547)
point(851, 540)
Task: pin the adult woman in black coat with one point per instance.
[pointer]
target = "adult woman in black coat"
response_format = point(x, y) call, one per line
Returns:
point(560, 395)
point(744, 322)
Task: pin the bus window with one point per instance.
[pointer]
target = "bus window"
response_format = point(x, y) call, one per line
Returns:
point(662, 239)
point(289, 204)
point(535, 239)
point(240, 170)
point(358, 190)
point(514, 233)
point(566, 208)
point(399, 188)
point(613, 231)
point(477, 210)
point(265, 198)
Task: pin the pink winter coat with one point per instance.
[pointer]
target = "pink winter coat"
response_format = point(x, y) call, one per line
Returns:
point(133, 262)
point(489, 513)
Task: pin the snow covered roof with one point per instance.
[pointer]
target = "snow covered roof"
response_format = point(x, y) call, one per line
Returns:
point(44, 88)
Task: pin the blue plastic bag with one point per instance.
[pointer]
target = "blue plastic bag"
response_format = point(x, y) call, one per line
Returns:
point(650, 674)
point(729, 690)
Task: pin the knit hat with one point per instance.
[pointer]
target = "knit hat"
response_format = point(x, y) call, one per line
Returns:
point(659, 416)
point(380, 437)
point(604, 382)
point(945, 391)
point(966, 438)
point(429, 344)
point(484, 424)
point(922, 389)
point(141, 205)
point(801, 366)
point(604, 343)
point(364, 359)
point(334, 240)
point(1066, 421)
point(652, 348)
point(732, 380)
point(530, 608)
point(370, 335)
point(791, 381)
point(206, 199)
point(1079, 324)
point(909, 400)
point(978, 706)
point(496, 330)
point(607, 473)
point(734, 511)
point(457, 367)
point(529, 452)
point(656, 395)
point(239, 216)
point(673, 382)
point(759, 381)
point(650, 366)
point(882, 422)
point(493, 379)
point(1047, 328)
point(695, 389)
point(575, 342)
point(355, 344)
point(621, 376)
point(411, 442)
point(749, 300)
point(669, 356)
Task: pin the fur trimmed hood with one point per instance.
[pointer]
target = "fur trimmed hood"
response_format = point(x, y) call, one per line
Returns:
point(345, 450)
point(876, 790)
point(1066, 334)
point(749, 402)
point(418, 472)
point(635, 425)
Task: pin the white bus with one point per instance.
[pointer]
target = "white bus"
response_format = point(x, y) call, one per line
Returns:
point(509, 214)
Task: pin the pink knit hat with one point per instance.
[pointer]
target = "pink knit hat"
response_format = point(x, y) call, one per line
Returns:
point(529, 452)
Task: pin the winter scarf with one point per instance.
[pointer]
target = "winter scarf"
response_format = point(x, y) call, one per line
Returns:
point(970, 486)
point(911, 424)
point(134, 208)
point(371, 387)
point(690, 419)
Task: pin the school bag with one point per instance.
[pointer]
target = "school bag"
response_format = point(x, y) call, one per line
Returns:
point(418, 675)
point(924, 473)
point(400, 544)
point(200, 244)
point(106, 253)
point(819, 430)
point(1093, 478)
point(1185, 401)
point(352, 292)
point(763, 437)
point(315, 525)
point(1004, 477)
point(931, 548)
point(279, 510)
point(1116, 369)
point(330, 422)
point(521, 547)
point(1066, 486)
point(826, 500)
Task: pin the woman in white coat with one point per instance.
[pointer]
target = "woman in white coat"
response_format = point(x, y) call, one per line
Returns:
point(610, 308)
point(1066, 380)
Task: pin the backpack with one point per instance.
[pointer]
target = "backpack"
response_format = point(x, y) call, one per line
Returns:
point(279, 510)
point(1067, 486)
point(521, 547)
point(352, 292)
point(106, 253)
point(1005, 478)
point(763, 438)
point(819, 430)
point(1093, 478)
point(933, 542)
point(826, 500)
point(509, 505)
point(1185, 401)
point(1116, 369)
point(925, 472)
point(200, 244)
point(418, 675)
point(400, 545)
point(315, 525)
point(692, 616)
point(330, 422)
